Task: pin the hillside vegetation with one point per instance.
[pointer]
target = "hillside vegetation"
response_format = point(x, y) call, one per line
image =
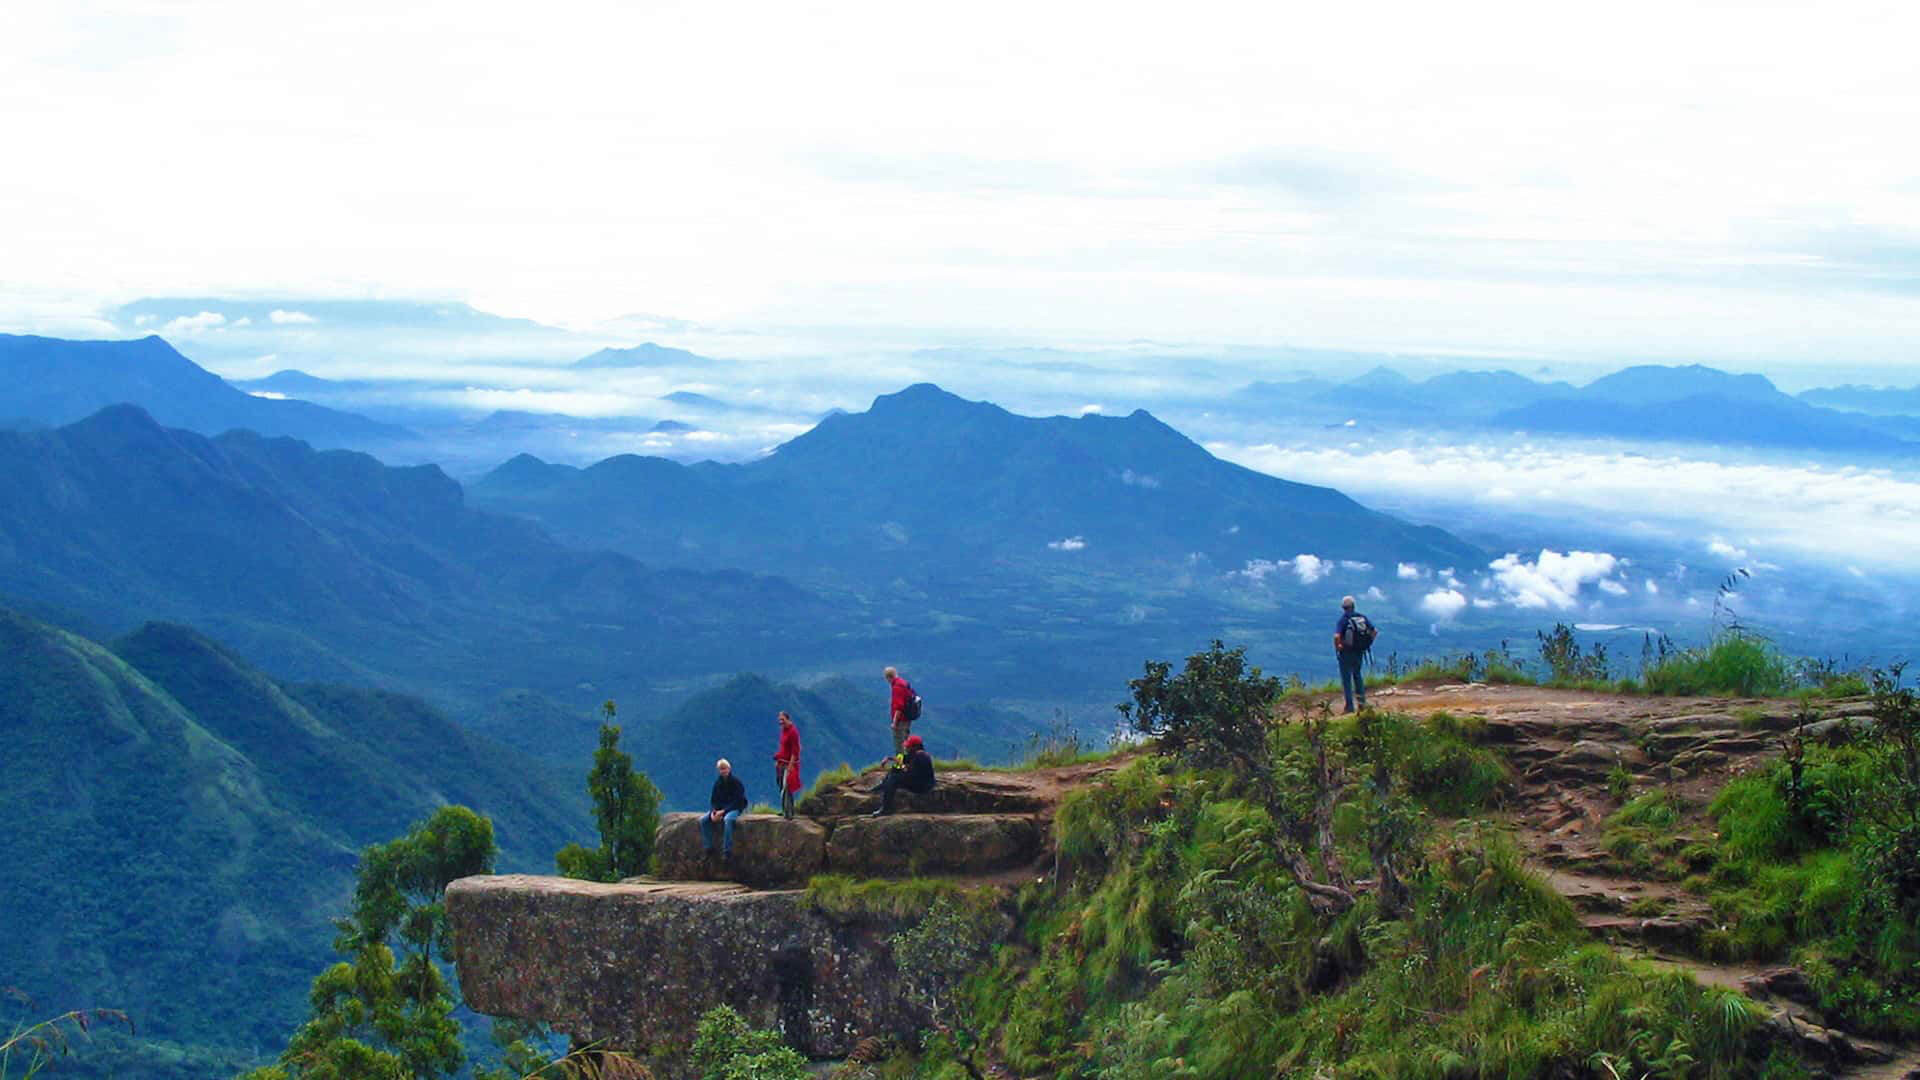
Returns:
point(181, 829)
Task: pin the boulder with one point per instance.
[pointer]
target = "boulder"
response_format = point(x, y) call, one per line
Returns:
point(1588, 760)
point(768, 851)
point(958, 792)
point(632, 966)
point(903, 844)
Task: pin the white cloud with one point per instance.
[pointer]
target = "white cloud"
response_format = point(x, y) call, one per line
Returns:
point(1311, 568)
point(1778, 504)
point(1612, 587)
point(1357, 567)
point(1484, 602)
point(1443, 604)
point(1725, 550)
point(284, 318)
point(270, 395)
point(1653, 587)
point(1134, 479)
point(1258, 570)
point(1374, 593)
point(1409, 572)
point(1551, 581)
point(1090, 410)
point(1071, 543)
point(189, 326)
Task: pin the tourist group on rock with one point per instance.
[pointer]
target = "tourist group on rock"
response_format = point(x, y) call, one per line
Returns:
point(910, 767)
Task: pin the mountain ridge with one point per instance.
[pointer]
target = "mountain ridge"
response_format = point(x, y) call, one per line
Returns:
point(57, 382)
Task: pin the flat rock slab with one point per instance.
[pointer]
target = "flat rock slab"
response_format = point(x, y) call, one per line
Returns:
point(632, 966)
point(962, 791)
point(903, 844)
point(772, 852)
point(768, 850)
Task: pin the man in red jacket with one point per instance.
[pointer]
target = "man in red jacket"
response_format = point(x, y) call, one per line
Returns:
point(901, 708)
point(786, 764)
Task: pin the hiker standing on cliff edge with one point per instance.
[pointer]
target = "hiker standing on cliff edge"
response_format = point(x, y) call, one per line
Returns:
point(1352, 636)
point(904, 708)
point(786, 764)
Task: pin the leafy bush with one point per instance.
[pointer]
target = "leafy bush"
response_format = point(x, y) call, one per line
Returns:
point(725, 1048)
point(1213, 714)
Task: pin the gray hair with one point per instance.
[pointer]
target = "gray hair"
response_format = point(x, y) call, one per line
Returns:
point(1347, 602)
point(891, 673)
point(723, 763)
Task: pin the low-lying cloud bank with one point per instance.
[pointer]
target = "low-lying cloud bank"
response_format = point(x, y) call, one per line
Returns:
point(1831, 514)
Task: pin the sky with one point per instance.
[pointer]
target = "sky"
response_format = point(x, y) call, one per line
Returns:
point(1730, 182)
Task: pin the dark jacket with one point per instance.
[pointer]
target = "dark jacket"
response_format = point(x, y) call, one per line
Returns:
point(729, 793)
point(916, 773)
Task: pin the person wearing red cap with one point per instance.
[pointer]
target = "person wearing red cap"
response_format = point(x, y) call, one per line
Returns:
point(912, 770)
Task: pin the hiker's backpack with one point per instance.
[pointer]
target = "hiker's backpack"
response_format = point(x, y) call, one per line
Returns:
point(912, 711)
point(1359, 634)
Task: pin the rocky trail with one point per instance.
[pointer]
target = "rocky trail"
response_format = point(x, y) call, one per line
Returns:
point(1565, 747)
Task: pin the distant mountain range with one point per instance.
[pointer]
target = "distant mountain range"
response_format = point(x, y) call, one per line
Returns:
point(52, 382)
point(927, 482)
point(332, 565)
point(181, 827)
point(1647, 402)
point(1867, 399)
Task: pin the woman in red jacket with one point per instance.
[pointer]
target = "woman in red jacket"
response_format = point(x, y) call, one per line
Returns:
point(786, 764)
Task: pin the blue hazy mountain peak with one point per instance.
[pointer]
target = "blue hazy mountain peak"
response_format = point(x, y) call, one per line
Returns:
point(1646, 384)
point(56, 381)
point(645, 354)
point(1381, 377)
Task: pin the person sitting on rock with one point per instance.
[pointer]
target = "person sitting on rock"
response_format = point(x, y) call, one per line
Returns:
point(729, 799)
point(912, 769)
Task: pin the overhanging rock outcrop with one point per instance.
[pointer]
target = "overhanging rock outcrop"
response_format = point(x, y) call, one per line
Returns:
point(769, 851)
point(632, 966)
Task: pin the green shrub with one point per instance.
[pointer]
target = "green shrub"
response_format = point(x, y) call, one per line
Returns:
point(1818, 860)
point(1735, 664)
point(725, 1048)
point(1212, 714)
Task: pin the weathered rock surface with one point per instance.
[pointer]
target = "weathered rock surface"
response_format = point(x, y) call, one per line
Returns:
point(962, 791)
point(906, 844)
point(768, 850)
point(771, 852)
point(632, 966)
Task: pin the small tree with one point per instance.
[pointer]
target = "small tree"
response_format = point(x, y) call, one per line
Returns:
point(626, 805)
point(383, 1014)
point(934, 956)
point(1213, 714)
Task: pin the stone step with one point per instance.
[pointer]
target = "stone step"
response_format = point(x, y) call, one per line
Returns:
point(958, 792)
point(772, 852)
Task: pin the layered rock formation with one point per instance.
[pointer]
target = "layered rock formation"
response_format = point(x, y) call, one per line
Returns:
point(632, 966)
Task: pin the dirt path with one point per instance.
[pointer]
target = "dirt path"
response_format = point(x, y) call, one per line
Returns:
point(1568, 749)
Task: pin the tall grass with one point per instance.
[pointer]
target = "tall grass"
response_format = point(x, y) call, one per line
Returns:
point(1734, 664)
